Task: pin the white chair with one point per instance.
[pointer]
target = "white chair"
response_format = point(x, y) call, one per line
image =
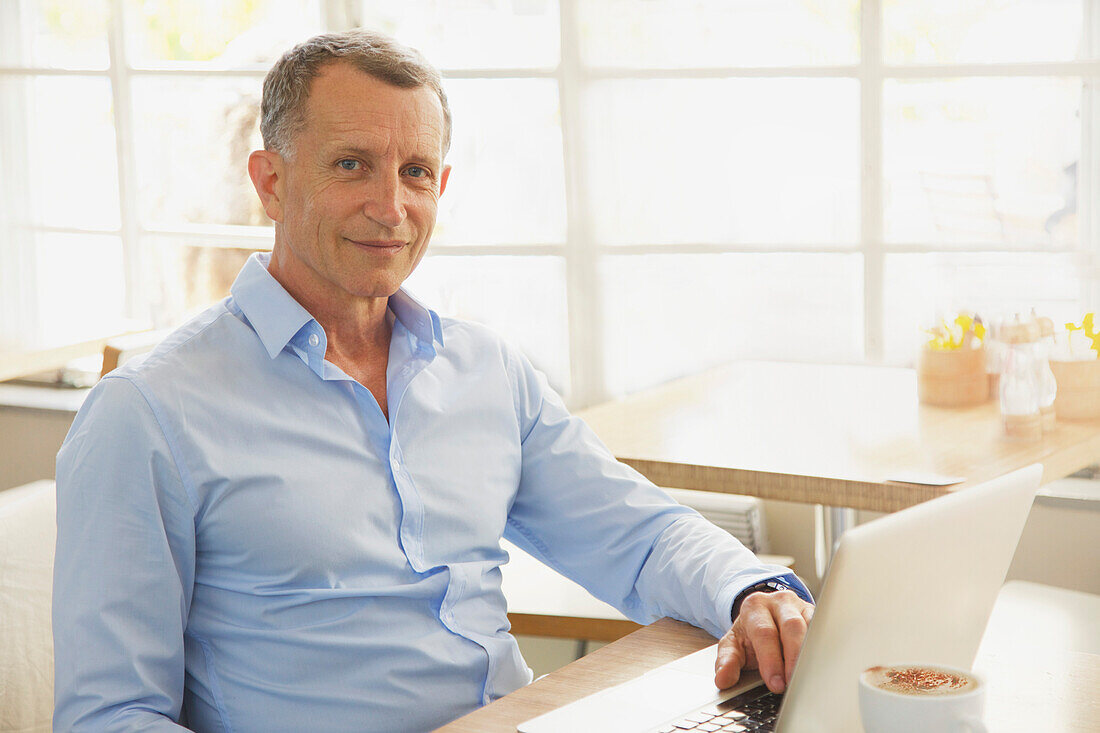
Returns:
point(27, 534)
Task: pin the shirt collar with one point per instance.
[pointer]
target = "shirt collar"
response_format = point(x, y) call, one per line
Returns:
point(420, 320)
point(277, 317)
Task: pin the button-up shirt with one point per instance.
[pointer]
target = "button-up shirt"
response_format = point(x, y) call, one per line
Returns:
point(245, 538)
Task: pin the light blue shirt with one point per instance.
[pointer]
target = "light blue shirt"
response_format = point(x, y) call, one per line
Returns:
point(244, 536)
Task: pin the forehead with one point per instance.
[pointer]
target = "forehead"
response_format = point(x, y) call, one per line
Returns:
point(349, 106)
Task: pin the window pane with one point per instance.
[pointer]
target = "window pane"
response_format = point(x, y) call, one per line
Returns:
point(229, 33)
point(679, 33)
point(507, 185)
point(193, 137)
point(920, 288)
point(982, 31)
point(80, 288)
point(669, 316)
point(54, 33)
point(59, 139)
point(521, 298)
point(473, 34)
point(189, 275)
point(989, 161)
point(756, 161)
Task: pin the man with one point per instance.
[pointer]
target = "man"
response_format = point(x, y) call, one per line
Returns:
point(288, 516)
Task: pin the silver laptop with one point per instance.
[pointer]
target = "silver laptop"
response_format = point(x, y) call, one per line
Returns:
point(917, 585)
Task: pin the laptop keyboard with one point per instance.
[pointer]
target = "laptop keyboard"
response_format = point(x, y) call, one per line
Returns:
point(755, 710)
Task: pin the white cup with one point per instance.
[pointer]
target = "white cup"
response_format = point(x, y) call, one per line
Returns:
point(885, 711)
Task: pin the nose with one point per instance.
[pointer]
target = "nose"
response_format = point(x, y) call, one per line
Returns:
point(384, 202)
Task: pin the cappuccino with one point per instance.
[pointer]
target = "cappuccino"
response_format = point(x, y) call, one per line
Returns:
point(920, 680)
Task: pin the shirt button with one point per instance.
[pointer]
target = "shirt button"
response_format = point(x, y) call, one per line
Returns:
point(314, 339)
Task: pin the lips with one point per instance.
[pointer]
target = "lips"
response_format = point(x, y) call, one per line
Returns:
point(380, 245)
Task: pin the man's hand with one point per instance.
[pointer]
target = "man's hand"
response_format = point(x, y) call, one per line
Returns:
point(766, 635)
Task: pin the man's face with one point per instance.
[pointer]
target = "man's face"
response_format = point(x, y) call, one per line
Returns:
point(360, 189)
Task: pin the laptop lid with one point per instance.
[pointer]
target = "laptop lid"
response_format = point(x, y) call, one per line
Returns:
point(914, 586)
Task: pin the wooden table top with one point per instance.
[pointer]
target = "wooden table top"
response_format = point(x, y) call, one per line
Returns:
point(1046, 680)
point(19, 361)
point(620, 661)
point(821, 434)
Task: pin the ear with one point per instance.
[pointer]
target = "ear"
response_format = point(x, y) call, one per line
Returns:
point(443, 179)
point(266, 169)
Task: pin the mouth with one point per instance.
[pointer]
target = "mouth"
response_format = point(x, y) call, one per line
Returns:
point(381, 246)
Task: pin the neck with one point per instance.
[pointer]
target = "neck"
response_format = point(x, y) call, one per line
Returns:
point(355, 326)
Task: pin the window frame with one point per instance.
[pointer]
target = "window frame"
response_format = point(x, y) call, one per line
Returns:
point(586, 322)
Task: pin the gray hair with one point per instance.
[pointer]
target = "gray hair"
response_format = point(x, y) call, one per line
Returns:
point(286, 86)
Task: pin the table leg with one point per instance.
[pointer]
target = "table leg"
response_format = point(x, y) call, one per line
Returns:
point(830, 522)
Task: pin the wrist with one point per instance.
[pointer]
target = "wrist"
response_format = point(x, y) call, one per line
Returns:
point(771, 585)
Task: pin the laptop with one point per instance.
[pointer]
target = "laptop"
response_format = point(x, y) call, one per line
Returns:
point(914, 586)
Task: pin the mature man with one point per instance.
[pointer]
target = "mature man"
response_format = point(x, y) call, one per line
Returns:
point(288, 516)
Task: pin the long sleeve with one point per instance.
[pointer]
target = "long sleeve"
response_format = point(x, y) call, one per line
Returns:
point(124, 568)
point(607, 527)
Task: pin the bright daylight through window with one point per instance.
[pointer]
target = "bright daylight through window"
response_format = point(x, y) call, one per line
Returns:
point(640, 189)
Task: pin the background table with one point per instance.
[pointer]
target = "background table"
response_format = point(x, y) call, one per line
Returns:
point(1040, 656)
point(821, 434)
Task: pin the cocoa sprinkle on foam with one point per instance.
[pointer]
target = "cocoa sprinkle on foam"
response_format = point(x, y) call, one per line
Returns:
point(915, 678)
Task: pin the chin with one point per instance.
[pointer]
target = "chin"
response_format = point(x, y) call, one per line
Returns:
point(375, 288)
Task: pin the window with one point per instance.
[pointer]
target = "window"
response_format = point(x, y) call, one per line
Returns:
point(640, 189)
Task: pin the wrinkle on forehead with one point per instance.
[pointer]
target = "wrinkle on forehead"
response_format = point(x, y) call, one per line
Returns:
point(370, 113)
point(387, 136)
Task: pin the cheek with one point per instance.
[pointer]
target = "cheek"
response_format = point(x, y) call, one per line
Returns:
point(326, 200)
point(424, 210)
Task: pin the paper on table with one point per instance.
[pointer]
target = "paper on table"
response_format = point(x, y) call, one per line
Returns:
point(925, 478)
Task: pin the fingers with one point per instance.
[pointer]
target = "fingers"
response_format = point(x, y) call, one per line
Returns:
point(767, 634)
point(774, 627)
point(731, 659)
point(792, 631)
point(763, 635)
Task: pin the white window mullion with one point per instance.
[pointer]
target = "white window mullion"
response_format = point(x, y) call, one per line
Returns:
point(339, 15)
point(137, 264)
point(1000, 69)
point(18, 308)
point(1088, 169)
point(586, 319)
point(871, 178)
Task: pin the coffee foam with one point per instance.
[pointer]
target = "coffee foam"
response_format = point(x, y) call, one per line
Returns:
point(919, 680)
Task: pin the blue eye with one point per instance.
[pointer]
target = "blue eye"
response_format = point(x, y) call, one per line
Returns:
point(417, 172)
point(348, 164)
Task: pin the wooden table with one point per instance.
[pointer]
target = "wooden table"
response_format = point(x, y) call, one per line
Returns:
point(821, 434)
point(1041, 680)
point(19, 362)
point(619, 661)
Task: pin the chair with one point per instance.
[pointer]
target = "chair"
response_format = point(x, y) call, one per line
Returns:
point(27, 534)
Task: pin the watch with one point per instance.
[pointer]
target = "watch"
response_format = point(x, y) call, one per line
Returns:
point(768, 586)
